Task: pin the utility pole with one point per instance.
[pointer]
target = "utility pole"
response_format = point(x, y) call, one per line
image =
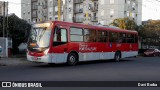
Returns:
point(59, 10)
point(4, 19)
point(7, 20)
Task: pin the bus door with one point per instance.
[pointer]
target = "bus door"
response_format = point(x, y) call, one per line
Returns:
point(60, 40)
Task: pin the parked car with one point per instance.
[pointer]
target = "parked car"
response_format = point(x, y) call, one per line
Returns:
point(152, 52)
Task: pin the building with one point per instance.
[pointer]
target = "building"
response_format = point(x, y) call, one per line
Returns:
point(26, 10)
point(103, 11)
point(112, 9)
point(82, 11)
point(2, 8)
point(40, 10)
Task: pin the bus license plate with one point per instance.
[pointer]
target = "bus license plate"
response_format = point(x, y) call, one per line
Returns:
point(35, 58)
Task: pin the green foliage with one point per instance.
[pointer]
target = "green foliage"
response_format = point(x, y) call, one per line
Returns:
point(124, 23)
point(18, 30)
point(150, 33)
point(151, 29)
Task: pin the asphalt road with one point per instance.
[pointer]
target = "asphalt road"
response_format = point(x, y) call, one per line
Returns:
point(130, 69)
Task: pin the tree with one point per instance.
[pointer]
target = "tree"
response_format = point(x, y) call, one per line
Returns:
point(18, 30)
point(150, 33)
point(124, 23)
point(151, 29)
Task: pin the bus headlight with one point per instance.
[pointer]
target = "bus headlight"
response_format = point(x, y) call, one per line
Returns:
point(46, 52)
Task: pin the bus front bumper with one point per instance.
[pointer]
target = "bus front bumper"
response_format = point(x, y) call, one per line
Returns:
point(44, 59)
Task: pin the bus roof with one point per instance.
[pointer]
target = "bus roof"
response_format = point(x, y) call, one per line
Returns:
point(97, 27)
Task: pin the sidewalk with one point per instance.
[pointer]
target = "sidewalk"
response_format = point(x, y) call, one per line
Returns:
point(13, 61)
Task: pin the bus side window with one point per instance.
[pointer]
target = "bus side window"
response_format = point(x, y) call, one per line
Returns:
point(130, 38)
point(86, 35)
point(60, 36)
point(76, 34)
point(122, 38)
point(136, 38)
point(105, 36)
point(89, 35)
point(113, 37)
point(100, 36)
point(92, 36)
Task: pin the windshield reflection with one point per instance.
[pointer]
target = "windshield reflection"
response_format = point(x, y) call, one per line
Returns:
point(40, 38)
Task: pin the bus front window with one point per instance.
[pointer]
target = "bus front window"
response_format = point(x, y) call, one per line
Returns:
point(39, 39)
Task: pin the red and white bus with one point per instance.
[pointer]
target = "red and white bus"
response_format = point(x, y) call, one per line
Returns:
point(64, 42)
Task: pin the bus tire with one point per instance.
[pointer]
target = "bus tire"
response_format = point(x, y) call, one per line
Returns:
point(117, 57)
point(72, 59)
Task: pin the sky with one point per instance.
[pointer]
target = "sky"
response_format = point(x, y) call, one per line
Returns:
point(150, 8)
point(14, 7)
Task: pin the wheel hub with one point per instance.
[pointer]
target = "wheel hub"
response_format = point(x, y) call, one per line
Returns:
point(72, 59)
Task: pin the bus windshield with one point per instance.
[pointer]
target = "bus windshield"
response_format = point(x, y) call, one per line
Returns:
point(39, 39)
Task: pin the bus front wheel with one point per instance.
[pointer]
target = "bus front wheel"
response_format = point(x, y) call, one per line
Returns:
point(117, 56)
point(72, 59)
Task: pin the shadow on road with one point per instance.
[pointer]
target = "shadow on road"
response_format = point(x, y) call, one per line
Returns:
point(101, 62)
point(44, 65)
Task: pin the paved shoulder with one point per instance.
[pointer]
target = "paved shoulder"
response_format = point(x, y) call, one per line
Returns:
point(13, 61)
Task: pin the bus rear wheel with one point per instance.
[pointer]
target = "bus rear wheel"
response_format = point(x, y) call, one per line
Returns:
point(117, 57)
point(72, 59)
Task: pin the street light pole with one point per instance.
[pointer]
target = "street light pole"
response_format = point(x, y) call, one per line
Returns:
point(59, 10)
